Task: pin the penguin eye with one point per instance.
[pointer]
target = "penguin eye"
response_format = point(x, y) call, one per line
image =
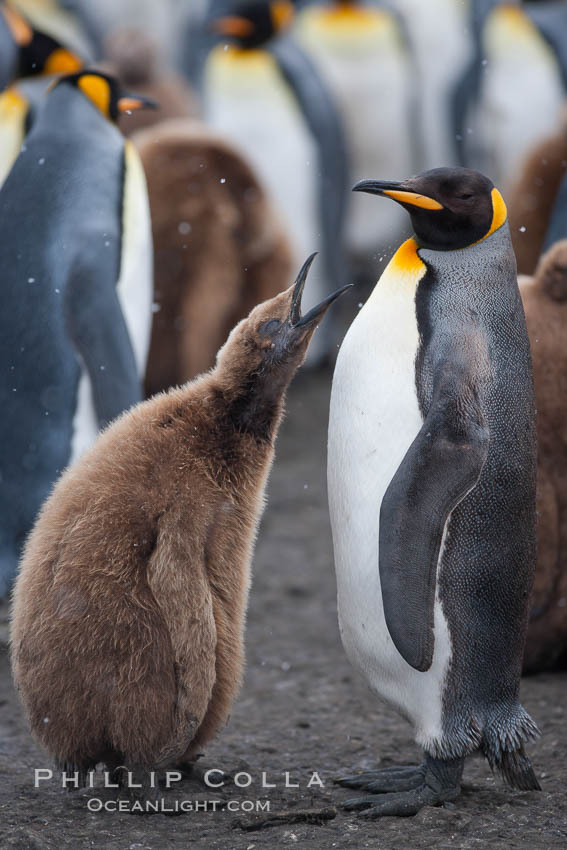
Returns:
point(466, 196)
point(269, 328)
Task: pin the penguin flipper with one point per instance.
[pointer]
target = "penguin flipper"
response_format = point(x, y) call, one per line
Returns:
point(188, 610)
point(440, 468)
point(98, 330)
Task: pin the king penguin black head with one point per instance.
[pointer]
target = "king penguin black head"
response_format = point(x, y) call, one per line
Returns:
point(105, 93)
point(250, 25)
point(450, 208)
point(39, 53)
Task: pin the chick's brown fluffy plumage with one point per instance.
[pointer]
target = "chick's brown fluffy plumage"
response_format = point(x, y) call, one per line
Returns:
point(531, 198)
point(128, 615)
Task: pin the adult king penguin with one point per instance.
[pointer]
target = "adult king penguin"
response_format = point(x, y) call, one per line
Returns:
point(26, 51)
point(432, 468)
point(76, 262)
point(267, 95)
point(28, 57)
point(363, 52)
point(442, 46)
point(511, 93)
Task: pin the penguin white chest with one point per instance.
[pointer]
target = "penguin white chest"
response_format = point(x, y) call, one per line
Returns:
point(374, 418)
point(360, 52)
point(135, 285)
point(247, 99)
point(442, 46)
point(13, 112)
point(522, 97)
point(135, 292)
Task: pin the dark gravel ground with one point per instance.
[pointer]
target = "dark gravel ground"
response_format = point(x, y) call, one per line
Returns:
point(301, 710)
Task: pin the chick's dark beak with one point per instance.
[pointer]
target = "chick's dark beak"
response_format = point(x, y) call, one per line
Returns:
point(398, 192)
point(314, 316)
point(295, 309)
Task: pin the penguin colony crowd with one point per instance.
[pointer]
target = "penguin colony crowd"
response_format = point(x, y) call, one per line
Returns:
point(151, 220)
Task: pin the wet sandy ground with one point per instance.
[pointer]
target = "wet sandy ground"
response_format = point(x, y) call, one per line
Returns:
point(302, 709)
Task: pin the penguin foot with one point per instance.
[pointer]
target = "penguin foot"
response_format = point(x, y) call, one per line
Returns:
point(383, 781)
point(198, 773)
point(137, 786)
point(404, 791)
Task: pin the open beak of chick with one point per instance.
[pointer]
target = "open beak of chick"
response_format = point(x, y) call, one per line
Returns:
point(301, 326)
point(290, 335)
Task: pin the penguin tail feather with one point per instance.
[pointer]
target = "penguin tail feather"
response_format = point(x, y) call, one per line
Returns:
point(517, 771)
point(503, 745)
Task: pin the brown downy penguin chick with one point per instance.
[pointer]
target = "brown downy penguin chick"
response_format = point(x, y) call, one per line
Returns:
point(128, 615)
point(133, 57)
point(532, 197)
point(545, 304)
point(219, 248)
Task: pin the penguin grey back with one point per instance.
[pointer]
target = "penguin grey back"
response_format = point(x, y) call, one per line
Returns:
point(487, 565)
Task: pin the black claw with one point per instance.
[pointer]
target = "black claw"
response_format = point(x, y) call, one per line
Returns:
point(403, 782)
point(356, 781)
point(357, 804)
point(402, 805)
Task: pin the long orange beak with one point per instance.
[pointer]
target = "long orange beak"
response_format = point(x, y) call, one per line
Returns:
point(130, 103)
point(397, 192)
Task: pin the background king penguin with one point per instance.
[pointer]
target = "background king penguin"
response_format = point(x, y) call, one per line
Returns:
point(77, 287)
point(432, 468)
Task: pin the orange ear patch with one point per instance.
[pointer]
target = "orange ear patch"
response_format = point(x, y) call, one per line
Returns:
point(97, 90)
point(283, 13)
point(499, 211)
point(62, 61)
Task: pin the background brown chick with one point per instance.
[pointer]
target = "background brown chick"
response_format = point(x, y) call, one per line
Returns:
point(532, 195)
point(545, 304)
point(133, 56)
point(218, 247)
